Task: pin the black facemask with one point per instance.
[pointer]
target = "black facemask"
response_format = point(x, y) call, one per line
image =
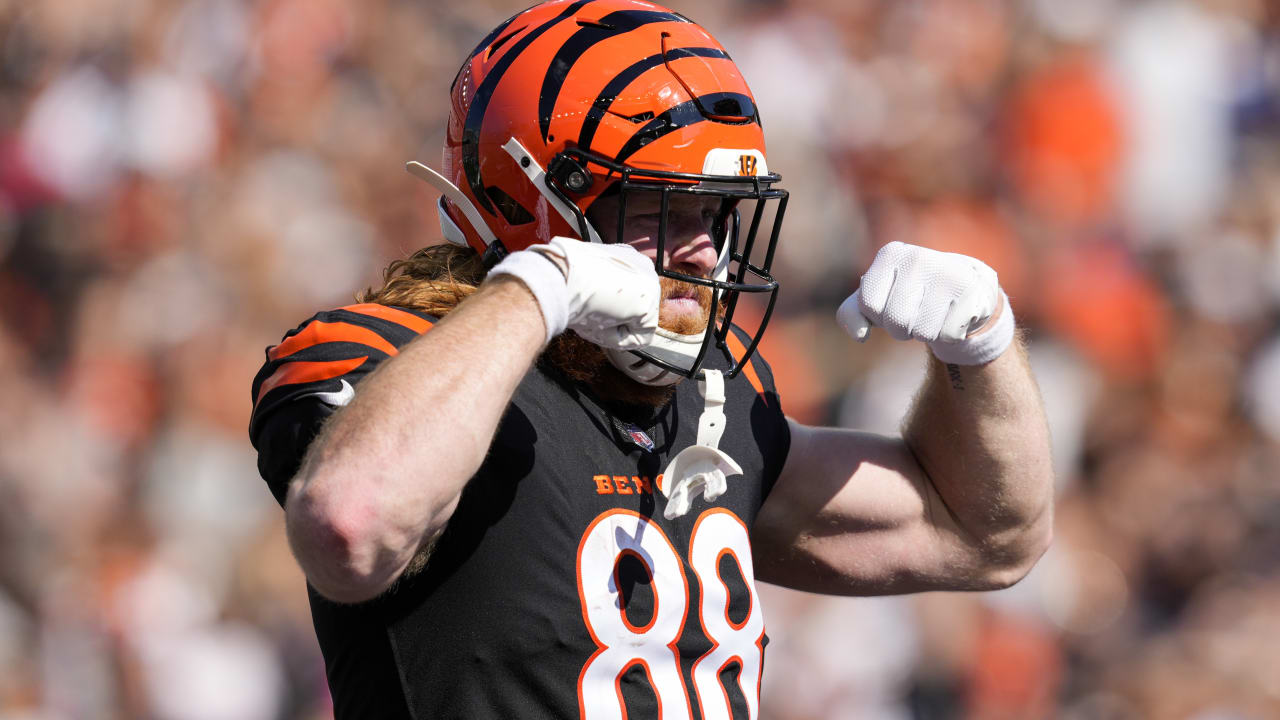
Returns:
point(745, 260)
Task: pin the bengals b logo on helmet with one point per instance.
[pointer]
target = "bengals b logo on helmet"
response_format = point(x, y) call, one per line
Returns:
point(747, 165)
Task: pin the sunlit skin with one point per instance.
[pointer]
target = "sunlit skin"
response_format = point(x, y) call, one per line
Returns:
point(963, 500)
point(689, 248)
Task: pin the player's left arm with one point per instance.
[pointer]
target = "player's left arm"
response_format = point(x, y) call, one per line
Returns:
point(963, 500)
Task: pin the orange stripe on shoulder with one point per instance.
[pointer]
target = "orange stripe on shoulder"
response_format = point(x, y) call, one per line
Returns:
point(735, 344)
point(301, 371)
point(322, 332)
point(399, 317)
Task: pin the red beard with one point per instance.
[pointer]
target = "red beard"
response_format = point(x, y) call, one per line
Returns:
point(685, 324)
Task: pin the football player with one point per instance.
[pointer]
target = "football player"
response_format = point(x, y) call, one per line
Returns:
point(539, 472)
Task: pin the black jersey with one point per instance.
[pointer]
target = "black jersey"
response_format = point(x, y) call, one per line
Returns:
point(558, 588)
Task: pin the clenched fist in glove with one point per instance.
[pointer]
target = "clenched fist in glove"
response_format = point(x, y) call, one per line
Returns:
point(952, 302)
point(608, 294)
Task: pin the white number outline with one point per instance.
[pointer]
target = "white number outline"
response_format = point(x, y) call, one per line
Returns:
point(644, 527)
point(712, 584)
point(749, 674)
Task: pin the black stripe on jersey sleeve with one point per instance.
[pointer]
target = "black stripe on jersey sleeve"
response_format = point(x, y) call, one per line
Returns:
point(392, 332)
point(350, 361)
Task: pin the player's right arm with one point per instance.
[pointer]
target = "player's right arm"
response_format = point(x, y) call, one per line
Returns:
point(384, 474)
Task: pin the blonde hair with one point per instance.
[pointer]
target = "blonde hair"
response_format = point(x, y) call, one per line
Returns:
point(434, 280)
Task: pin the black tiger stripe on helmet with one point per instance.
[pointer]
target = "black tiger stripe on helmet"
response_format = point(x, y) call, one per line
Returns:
point(551, 78)
point(687, 113)
point(620, 82)
point(609, 26)
point(484, 93)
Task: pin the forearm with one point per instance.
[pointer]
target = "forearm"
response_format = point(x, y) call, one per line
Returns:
point(980, 435)
point(386, 471)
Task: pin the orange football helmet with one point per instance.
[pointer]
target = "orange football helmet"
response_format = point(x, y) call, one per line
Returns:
point(572, 99)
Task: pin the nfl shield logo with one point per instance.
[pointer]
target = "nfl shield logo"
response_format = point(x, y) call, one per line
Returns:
point(639, 437)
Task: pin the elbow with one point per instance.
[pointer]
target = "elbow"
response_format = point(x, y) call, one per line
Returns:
point(347, 551)
point(1009, 561)
point(1012, 549)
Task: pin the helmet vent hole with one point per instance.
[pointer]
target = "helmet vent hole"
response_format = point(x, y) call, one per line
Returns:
point(503, 41)
point(511, 209)
point(638, 118)
point(595, 24)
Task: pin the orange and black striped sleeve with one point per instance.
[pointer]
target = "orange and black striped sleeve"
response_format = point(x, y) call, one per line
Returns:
point(314, 370)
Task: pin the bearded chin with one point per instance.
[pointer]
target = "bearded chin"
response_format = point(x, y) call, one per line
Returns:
point(586, 363)
point(685, 323)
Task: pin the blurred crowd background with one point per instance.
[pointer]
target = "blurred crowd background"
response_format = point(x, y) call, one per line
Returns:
point(181, 181)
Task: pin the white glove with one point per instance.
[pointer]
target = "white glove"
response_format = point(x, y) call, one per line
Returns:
point(943, 299)
point(608, 294)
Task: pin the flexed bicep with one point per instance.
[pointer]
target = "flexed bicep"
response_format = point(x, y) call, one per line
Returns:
point(853, 513)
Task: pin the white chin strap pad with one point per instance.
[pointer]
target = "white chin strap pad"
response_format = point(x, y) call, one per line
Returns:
point(701, 469)
point(679, 350)
point(674, 348)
